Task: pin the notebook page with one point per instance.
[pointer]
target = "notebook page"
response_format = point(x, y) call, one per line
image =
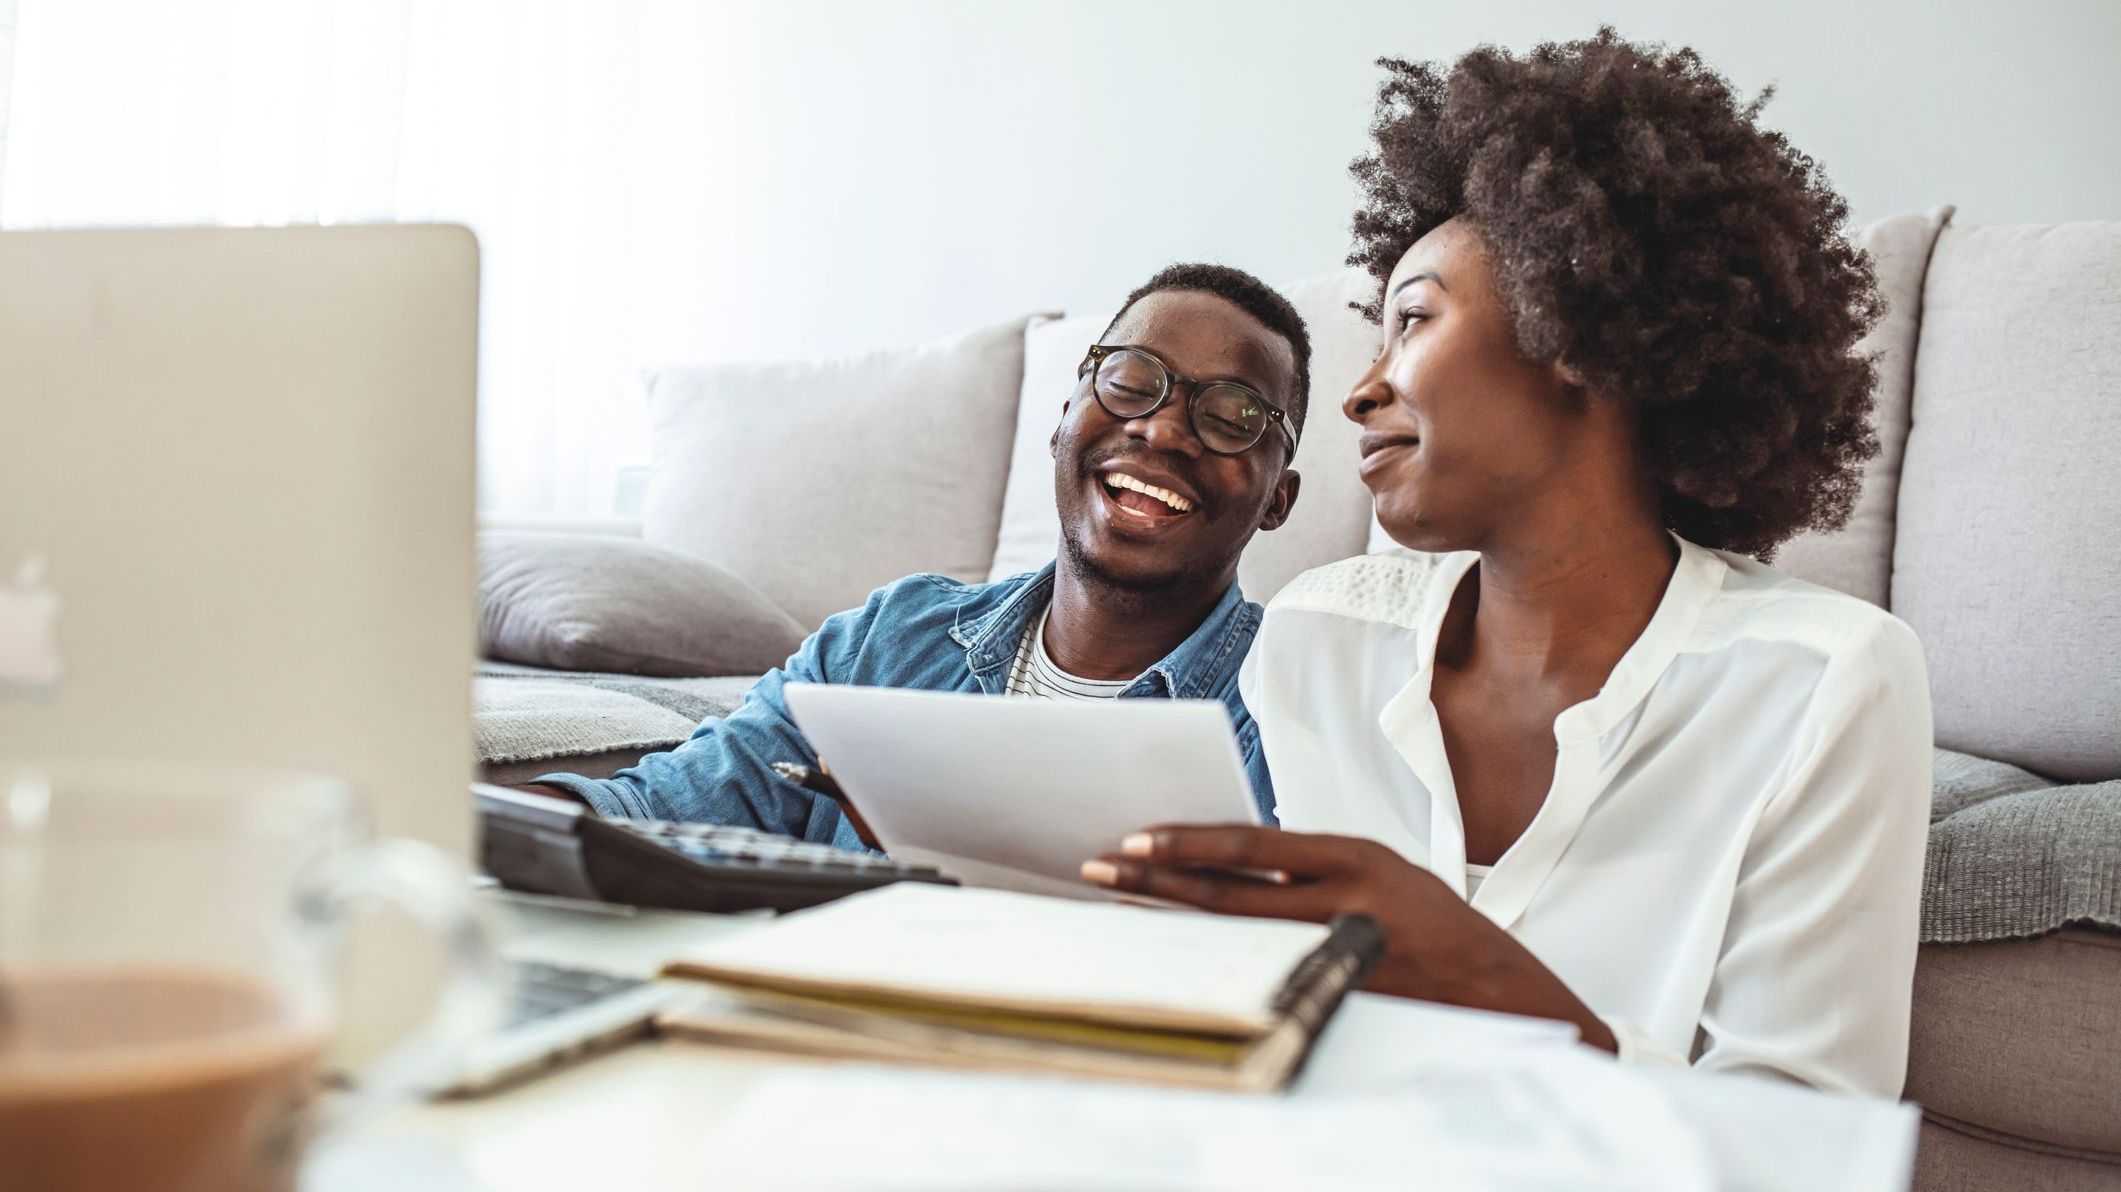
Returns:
point(1023, 951)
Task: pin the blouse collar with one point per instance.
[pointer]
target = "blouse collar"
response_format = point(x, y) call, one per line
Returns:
point(1409, 722)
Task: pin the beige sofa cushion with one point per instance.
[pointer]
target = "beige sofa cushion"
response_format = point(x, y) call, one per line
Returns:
point(1958, 1158)
point(820, 481)
point(2005, 561)
point(1858, 559)
point(2022, 1037)
point(1030, 528)
point(1331, 520)
point(1332, 517)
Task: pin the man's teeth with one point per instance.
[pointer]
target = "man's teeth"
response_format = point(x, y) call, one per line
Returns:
point(1122, 480)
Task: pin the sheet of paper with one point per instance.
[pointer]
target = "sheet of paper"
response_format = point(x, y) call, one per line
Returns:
point(996, 946)
point(1768, 1135)
point(1763, 1135)
point(1032, 785)
point(1567, 1120)
point(984, 875)
point(1376, 1043)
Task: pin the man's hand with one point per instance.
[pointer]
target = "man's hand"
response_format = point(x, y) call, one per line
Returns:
point(1437, 947)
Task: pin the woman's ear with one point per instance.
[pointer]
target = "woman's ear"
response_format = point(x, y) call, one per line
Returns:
point(1566, 373)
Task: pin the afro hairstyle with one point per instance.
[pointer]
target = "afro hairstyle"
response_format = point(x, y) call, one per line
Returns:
point(1649, 235)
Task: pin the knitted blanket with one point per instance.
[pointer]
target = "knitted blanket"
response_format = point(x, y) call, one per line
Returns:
point(2012, 856)
point(524, 714)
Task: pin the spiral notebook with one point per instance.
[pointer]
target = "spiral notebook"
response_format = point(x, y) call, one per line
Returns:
point(1000, 980)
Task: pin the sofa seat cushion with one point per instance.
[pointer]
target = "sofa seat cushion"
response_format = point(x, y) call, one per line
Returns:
point(2022, 1038)
point(2013, 856)
point(585, 765)
point(1954, 1157)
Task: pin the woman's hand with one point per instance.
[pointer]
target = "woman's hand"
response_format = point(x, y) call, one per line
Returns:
point(1436, 946)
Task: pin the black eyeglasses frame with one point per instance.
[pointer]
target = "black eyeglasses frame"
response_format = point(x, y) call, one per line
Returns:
point(1095, 358)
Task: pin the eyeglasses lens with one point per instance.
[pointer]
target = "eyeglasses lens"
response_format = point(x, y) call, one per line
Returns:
point(1228, 419)
point(1129, 383)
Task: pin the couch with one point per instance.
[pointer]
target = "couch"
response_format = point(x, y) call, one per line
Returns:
point(1990, 521)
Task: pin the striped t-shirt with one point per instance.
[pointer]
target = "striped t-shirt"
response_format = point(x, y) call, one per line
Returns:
point(1034, 674)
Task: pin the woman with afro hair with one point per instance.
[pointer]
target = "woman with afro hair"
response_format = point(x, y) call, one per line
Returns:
point(1579, 751)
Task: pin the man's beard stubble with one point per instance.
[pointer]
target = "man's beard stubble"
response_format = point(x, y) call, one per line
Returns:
point(1129, 590)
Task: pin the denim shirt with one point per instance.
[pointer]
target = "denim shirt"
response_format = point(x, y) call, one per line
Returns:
point(927, 632)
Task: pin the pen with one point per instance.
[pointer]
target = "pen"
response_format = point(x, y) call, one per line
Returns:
point(817, 781)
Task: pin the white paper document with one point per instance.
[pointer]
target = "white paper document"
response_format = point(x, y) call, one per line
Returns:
point(1569, 1121)
point(1377, 1043)
point(1018, 793)
point(1408, 1096)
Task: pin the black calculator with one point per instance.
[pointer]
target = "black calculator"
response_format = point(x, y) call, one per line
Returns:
point(541, 845)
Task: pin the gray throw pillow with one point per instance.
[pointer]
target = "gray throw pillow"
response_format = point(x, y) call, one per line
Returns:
point(587, 602)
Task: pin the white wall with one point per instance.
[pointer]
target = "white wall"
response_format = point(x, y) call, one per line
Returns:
point(685, 181)
point(865, 174)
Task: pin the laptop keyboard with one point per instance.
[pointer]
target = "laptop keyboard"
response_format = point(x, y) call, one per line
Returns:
point(543, 990)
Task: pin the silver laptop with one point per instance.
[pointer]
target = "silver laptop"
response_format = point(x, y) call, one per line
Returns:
point(236, 511)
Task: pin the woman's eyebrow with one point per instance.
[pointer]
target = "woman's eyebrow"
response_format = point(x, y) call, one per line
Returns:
point(1420, 277)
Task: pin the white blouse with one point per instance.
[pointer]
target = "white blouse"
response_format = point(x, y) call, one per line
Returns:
point(1727, 868)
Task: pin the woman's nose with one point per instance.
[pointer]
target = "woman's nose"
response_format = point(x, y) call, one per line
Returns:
point(1369, 393)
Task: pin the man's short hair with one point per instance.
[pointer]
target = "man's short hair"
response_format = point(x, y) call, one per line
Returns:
point(1250, 295)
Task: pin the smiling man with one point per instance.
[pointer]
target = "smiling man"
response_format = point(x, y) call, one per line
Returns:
point(1172, 451)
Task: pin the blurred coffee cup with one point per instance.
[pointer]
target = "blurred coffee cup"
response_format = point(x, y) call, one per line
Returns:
point(170, 948)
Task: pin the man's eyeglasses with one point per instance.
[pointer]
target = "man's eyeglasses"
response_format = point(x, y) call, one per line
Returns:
point(1227, 418)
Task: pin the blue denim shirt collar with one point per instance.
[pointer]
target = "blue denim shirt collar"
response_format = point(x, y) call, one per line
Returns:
point(1195, 670)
